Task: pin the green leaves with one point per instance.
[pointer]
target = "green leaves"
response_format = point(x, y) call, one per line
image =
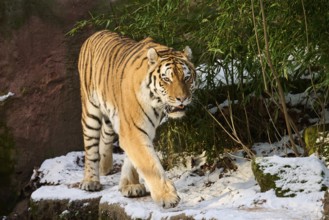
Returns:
point(231, 34)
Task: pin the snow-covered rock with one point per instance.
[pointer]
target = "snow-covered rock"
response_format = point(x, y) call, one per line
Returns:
point(289, 177)
point(213, 195)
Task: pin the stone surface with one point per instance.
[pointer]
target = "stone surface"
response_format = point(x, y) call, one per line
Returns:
point(316, 138)
point(88, 209)
point(326, 206)
point(112, 211)
point(116, 211)
point(64, 209)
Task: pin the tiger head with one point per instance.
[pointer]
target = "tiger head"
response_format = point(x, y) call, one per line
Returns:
point(173, 79)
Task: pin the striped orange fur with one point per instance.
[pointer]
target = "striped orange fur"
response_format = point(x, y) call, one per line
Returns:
point(127, 87)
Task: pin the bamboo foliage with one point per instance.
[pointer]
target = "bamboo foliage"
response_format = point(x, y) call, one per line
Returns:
point(263, 48)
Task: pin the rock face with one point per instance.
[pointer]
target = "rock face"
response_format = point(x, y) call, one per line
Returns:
point(64, 209)
point(38, 64)
point(85, 209)
point(316, 138)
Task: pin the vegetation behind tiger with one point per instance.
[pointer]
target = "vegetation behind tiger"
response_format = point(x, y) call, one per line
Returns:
point(229, 37)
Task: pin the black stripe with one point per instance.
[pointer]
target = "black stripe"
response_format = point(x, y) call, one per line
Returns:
point(109, 134)
point(141, 64)
point(150, 80)
point(84, 73)
point(89, 127)
point(120, 82)
point(159, 68)
point(108, 143)
point(104, 64)
point(89, 62)
point(106, 120)
point(136, 58)
point(92, 145)
point(90, 137)
point(142, 130)
point(136, 54)
point(127, 53)
point(84, 62)
point(95, 106)
point(148, 117)
point(94, 117)
point(127, 56)
point(151, 95)
point(154, 81)
point(164, 52)
point(141, 107)
point(119, 50)
point(124, 61)
point(113, 112)
point(115, 50)
point(156, 113)
point(106, 135)
point(114, 70)
point(94, 160)
point(102, 39)
point(105, 47)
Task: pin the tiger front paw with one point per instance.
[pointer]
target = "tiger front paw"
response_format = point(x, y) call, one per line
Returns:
point(133, 190)
point(90, 185)
point(170, 200)
point(167, 198)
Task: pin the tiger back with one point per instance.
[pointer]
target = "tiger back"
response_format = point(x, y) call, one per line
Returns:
point(127, 87)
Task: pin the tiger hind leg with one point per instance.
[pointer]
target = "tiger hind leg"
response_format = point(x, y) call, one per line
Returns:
point(91, 125)
point(129, 184)
point(106, 147)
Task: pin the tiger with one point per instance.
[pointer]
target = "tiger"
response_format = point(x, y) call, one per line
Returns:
point(127, 87)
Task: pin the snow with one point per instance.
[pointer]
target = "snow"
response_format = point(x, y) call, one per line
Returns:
point(295, 174)
point(217, 74)
point(62, 192)
point(4, 97)
point(214, 195)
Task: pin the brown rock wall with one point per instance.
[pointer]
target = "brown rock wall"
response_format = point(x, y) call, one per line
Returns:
point(38, 64)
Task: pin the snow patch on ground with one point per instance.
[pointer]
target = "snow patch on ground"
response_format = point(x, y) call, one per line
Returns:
point(214, 195)
point(4, 97)
point(301, 175)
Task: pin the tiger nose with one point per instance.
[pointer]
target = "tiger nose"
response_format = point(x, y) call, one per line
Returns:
point(181, 98)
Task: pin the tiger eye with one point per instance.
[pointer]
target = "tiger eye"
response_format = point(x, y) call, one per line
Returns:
point(166, 79)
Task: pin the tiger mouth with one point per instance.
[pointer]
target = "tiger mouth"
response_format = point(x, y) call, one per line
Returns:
point(172, 109)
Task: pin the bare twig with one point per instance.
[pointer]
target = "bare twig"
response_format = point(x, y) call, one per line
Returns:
point(258, 47)
point(230, 122)
point(277, 80)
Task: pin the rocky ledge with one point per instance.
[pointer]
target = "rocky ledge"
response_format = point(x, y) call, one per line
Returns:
point(206, 191)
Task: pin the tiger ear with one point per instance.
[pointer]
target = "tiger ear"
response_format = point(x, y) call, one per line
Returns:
point(152, 56)
point(188, 52)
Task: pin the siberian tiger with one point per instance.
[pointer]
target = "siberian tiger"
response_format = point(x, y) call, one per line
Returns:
point(127, 87)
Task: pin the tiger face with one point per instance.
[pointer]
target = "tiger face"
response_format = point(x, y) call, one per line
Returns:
point(174, 79)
